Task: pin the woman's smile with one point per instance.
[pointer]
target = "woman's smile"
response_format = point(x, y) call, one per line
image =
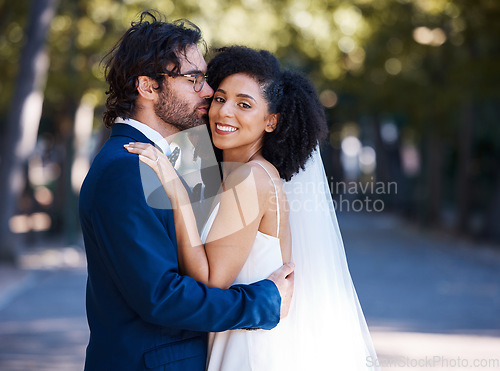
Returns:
point(223, 129)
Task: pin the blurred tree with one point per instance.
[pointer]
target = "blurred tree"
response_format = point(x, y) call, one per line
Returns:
point(22, 124)
point(13, 19)
point(434, 65)
point(430, 67)
point(478, 61)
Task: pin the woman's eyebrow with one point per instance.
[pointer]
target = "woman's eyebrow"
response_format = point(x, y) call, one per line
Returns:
point(247, 96)
point(241, 95)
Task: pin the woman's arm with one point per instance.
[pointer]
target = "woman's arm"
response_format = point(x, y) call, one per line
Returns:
point(242, 206)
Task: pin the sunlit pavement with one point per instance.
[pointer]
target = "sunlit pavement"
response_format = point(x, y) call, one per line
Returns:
point(432, 302)
point(42, 312)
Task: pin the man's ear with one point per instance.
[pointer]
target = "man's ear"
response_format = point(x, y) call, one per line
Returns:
point(272, 122)
point(146, 87)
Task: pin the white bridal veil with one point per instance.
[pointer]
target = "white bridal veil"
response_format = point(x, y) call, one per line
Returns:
point(327, 323)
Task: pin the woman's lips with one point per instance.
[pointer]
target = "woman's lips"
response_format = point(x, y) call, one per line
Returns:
point(222, 129)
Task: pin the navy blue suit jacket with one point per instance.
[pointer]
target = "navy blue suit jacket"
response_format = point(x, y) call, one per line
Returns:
point(142, 314)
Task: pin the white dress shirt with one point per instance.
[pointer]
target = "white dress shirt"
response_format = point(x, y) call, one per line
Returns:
point(150, 133)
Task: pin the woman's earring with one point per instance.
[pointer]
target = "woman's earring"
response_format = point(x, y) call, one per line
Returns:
point(273, 121)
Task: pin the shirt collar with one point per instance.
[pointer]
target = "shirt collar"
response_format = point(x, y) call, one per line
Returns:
point(150, 133)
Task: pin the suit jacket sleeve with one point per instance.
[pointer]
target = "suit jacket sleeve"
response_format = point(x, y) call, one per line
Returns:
point(137, 245)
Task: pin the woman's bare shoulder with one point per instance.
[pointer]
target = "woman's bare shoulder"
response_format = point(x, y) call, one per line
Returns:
point(253, 177)
point(265, 173)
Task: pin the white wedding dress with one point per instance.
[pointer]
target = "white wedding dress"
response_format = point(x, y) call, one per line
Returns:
point(243, 350)
point(325, 328)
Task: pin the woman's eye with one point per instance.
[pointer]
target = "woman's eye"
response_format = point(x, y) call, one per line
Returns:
point(245, 105)
point(219, 99)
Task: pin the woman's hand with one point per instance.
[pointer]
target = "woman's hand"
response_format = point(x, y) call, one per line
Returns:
point(191, 253)
point(161, 165)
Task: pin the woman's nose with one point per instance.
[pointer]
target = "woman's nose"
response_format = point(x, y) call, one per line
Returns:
point(225, 109)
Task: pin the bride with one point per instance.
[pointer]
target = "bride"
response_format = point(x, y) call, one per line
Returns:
point(275, 207)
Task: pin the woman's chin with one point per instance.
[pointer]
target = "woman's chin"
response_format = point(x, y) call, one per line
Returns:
point(219, 144)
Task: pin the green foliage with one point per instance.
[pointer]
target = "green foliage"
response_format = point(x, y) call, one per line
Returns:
point(13, 19)
point(417, 61)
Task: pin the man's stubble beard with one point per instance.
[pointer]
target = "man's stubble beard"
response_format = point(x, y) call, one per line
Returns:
point(177, 113)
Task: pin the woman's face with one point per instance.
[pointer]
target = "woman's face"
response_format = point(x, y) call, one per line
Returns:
point(239, 114)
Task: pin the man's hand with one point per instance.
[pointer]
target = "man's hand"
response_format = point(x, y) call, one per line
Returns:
point(283, 278)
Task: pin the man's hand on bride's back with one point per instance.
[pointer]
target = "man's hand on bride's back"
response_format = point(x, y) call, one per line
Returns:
point(283, 278)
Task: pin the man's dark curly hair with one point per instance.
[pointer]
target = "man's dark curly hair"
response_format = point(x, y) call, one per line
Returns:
point(145, 49)
point(301, 124)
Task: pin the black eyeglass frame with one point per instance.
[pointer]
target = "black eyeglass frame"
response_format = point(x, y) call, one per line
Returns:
point(191, 76)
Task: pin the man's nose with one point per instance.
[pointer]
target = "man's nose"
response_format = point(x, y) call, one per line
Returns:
point(207, 91)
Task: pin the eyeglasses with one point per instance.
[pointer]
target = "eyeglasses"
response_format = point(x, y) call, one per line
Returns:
point(198, 78)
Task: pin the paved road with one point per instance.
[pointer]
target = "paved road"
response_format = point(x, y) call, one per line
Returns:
point(409, 279)
point(42, 320)
point(432, 302)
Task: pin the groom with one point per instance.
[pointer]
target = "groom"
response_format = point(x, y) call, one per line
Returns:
point(142, 314)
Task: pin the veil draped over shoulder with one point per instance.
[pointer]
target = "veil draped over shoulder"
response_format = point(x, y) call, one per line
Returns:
point(327, 324)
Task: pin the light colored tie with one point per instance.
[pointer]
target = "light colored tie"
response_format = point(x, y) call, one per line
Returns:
point(174, 155)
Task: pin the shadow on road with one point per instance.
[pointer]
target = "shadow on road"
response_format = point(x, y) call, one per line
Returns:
point(431, 300)
point(42, 312)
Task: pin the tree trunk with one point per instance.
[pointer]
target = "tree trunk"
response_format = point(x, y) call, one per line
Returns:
point(493, 227)
point(464, 164)
point(434, 180)
point(79, 153)
point(382, 171)
point(24, 118)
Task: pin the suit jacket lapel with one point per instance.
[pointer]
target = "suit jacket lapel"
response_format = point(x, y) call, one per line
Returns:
point(125, 130)
point(128, 131)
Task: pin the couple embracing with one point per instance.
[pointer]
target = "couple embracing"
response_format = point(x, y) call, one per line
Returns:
point(265, 285)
